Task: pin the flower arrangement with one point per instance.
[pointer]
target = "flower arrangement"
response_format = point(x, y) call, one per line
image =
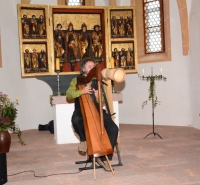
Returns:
point(8, 114)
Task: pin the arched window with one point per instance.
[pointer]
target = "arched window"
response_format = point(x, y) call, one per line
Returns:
point(153, 26)
point(75, 2)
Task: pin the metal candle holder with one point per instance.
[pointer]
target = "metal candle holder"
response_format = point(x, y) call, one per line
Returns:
point(58, 83)
point(152, 79)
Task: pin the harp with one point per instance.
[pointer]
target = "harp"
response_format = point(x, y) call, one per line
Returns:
point(98, 142)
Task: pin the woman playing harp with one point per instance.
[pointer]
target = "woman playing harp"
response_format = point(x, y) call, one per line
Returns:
point(77, 118)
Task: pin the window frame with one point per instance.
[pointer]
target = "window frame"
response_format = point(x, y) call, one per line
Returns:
point(161, 27)
point(83, 3)
point(153, 57)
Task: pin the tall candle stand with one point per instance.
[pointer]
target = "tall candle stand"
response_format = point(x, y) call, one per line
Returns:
point(152, 97)
point(58, 83)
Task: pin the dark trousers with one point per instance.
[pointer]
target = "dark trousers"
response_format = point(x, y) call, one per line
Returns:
point(110, 126)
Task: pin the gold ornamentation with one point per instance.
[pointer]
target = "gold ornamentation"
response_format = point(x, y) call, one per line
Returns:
point(29, 13)
point(77, 20)
point(123, 14)
point(30, 47)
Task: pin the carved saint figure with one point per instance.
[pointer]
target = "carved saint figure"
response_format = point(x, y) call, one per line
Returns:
point(121, 26)
point(41, 26)
point(129, 26)
point(27, 60)
point(114, 27)
point(71, 42)
point(33, 26)
point(35, 63)
point(42, 60)
point(59, 41)
point(130, 57)
point(25, 26)
point(122, 56)
point(97, 48)
point(115, 55)
point(84, 41)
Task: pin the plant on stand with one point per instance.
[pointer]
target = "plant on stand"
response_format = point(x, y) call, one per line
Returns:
point(8, 114)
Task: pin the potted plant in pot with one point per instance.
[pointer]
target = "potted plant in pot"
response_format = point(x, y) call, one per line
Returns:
point(8, 114)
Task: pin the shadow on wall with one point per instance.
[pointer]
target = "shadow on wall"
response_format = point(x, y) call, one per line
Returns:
point(120, 86)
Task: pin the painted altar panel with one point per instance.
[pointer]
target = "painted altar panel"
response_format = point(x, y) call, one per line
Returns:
point(123, 38)
point(34, 40)
point(78, 32)
point(71, 33)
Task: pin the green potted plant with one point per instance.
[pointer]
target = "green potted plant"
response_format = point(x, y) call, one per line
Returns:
point(8, 114)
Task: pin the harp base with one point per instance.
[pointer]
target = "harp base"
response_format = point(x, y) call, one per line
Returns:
point(89, 160)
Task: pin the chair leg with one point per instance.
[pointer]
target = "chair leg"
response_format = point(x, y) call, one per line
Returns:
point(119, 157)
point(109, 164)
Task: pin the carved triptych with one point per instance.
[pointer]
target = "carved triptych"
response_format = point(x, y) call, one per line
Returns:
point(68, 34)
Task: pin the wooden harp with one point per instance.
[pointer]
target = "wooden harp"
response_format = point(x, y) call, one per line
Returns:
point(98, 142)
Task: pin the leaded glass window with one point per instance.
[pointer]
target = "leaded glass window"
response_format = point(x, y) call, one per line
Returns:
point(75, 2)
point(154, 26)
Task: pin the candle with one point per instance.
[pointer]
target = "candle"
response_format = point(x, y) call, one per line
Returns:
point(57, 64)
point(160, 71)
point(143, 72)
point(111, 62)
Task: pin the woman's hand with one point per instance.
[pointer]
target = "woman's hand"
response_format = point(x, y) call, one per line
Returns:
point(87, 90)
point(96, 93)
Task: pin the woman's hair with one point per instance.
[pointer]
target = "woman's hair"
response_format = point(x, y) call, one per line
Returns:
point(83, 62)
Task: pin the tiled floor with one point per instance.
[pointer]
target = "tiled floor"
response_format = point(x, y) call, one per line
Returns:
point(175, 159)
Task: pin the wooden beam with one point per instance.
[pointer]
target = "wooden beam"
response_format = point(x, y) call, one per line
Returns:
point(132, 2)
point(89, 2)
point(112, 2)
point(25, 1)
point(61, 2)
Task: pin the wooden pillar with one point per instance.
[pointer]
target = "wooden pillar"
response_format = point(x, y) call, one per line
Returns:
point(89, 2)
point(112, 2)
point(132, 2)
point(182, 6)
point(25, 1)
point(61, 2)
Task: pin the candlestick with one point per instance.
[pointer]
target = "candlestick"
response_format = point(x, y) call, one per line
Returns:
point(58, 83)
point(143, 72)
point(111, 62)
point(160, 71)
point(57, 64)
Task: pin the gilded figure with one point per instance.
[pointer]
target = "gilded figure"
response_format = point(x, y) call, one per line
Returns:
point(122, 58)
point(97, 48)
point(25, 26)
point(27, 61)
point(35, 63)
point(121, 28)
point(130, 57)
point(41, 26)
point(114, 27)
point(84, 41)
point(33, 27)
point(59, 41)
point(71, 43)
point(42, 60)
point(129, 26)
point(115, 55)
